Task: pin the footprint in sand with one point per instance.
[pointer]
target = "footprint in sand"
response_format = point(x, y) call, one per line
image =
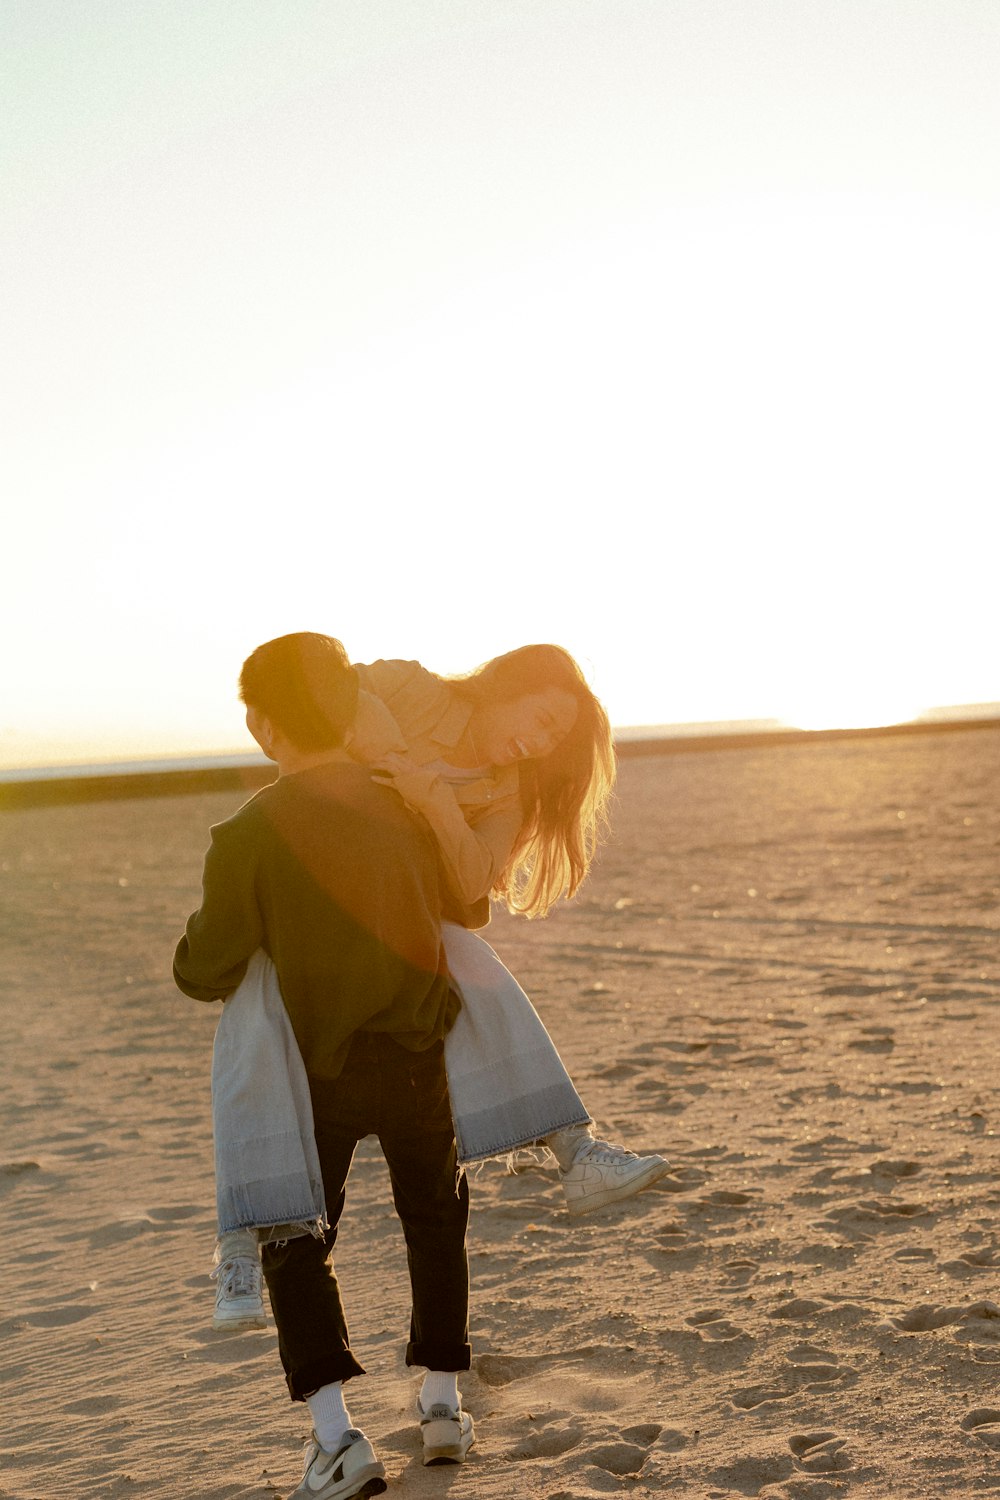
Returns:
point(975, 1322)
point(742, 1272)
point(501, 1369)
point(618, 1458)
point(787, 1383)
point(895, 1169)
point(983, 1423)
point(645, 1434)
point(798, 1307)
point(615, 1072)
point(972, 1262)
point(628, 1456)
point(819, 1150)
point(714, 1324)
point(48, 1317)
point(153, 1220)
point(623, 1457)
point(724, 1199)
point(551, 1442)
point(748, 1476)
point(810, 1366)
point(820, 1452)
point(681, 1180)
point(872, 1215)
point(670, 1235)
point(811, 1354)
point(895, 1210)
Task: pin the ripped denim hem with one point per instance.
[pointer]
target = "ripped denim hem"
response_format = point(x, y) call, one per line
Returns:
point(507, 1149)
point(274, 1234)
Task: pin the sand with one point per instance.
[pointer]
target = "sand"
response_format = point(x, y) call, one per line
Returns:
point(782, 974)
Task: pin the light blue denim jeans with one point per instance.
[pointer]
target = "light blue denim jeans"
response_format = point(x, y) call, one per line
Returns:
point(507, 1083)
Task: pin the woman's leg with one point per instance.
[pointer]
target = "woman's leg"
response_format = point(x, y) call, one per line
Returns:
point(266, 1165)
point(239, 1299)
point(595, 1173)
point(509, 1087)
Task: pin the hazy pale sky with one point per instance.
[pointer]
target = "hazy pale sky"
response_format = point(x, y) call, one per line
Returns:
point(664, 329)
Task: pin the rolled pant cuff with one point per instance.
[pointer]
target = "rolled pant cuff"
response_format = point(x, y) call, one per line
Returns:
point(440, 1356)
point(339, 1366)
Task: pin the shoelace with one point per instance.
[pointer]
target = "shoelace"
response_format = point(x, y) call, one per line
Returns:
point(602, 1152)
point(240, 1277)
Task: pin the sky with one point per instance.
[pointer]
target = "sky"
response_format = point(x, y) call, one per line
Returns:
point(663, 329)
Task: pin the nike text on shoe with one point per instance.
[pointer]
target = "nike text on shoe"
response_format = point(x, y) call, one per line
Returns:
point(447, 1433)
point(603, 1174)
point(352, 1470)
point(239, 1296)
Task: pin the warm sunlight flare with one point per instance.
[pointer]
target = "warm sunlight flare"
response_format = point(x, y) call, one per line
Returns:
point(851, 711)
point(702, 395)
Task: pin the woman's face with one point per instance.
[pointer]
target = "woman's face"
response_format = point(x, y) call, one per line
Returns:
point(526, 728)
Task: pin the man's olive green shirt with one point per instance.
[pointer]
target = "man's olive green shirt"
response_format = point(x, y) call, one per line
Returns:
point(339, 884)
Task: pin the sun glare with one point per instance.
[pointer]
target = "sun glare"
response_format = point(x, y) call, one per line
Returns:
point(852, 711)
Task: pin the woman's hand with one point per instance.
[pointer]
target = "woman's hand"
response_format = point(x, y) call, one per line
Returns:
point(412, 782)
point(390, 766)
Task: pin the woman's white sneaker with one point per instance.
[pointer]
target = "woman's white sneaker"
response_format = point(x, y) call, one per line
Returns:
point(447, 1433)
point(352, 1470)
point(603, 1174)
point(239, 1294)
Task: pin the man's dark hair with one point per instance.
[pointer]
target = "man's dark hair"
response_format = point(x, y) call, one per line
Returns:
point(305, 685)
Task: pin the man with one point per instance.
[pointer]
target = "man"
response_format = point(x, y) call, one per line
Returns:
point(338, 882)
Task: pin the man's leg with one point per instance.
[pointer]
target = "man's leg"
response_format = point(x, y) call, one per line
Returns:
point(312, 1330)
point(432, 1201)
point(313, 1339)
point(433, 1206)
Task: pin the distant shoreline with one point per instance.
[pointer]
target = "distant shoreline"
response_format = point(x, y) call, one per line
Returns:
point(48, 786)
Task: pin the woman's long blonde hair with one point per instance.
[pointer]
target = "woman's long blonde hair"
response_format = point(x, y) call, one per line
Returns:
point(565, 794)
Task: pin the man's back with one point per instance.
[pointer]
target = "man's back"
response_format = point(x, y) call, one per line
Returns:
point(339, 884)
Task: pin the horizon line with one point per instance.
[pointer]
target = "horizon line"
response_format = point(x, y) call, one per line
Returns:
point(37, 786)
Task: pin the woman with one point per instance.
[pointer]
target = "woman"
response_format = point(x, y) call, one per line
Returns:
point(512, 768)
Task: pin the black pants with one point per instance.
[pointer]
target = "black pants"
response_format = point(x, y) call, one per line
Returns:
point(402, 1097)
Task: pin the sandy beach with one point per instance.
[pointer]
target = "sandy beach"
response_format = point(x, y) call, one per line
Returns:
point(783, 974)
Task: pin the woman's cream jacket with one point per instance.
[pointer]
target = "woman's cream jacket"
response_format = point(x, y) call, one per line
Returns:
point(403, 709)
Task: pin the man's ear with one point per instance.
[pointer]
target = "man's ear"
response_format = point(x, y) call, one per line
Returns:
point(262, 729)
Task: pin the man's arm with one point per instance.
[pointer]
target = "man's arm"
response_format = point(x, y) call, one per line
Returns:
point(220, 937)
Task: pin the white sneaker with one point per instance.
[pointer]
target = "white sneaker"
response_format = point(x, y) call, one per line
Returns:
point(239, 1295)
point(352, 1470)
point(602, 1174)
point(447, 1433)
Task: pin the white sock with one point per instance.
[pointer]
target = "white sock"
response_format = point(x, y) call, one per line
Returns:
point(564, 1144)
point(440, 1388)
point(236, 1242)
point(331, 1419)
